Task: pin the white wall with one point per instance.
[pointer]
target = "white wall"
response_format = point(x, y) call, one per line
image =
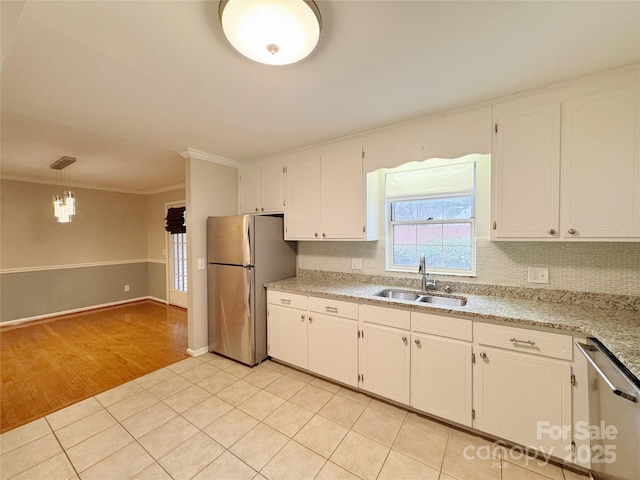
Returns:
point(212, 190)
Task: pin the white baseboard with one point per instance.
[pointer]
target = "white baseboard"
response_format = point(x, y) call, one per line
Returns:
point(198, 352)
point(18, 321)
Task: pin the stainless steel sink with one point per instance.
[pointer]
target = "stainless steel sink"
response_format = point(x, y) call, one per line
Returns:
point(398, 295)
point(394, 294)
point(448, 301)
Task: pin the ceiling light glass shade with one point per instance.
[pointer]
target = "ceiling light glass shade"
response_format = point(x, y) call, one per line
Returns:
point(275, 32)
point(64, 207)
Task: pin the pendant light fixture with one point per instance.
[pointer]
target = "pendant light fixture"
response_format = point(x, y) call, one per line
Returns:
point(64, 206)
point(275, 32)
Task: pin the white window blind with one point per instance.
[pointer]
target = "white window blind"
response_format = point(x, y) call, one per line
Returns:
point(458, 179)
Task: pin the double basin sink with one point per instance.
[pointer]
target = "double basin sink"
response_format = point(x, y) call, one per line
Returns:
point(393, 294)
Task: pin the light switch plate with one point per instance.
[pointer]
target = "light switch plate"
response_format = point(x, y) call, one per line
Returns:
point(356, 264)
point(538, 275)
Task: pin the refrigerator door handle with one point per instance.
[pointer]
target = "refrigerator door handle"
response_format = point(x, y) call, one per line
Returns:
point(247, 246)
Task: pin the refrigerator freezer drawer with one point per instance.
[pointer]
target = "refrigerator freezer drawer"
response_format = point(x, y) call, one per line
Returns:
point(231, 312)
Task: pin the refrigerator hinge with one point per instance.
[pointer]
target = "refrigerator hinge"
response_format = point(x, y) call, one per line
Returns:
point(473, 414)
point(573, 380)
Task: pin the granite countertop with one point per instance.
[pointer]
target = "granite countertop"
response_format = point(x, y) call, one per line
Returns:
point(617, 329)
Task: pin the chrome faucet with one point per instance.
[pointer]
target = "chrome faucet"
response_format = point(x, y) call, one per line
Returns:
point(422, 269)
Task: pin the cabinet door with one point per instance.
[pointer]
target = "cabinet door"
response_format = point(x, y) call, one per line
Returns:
point(385, 360)
point(249, 190)
point(343, 195)
point(302, 217)
point(271, 180)
point(441, 378)
point(526, 172)
point(522, 397)
point(601, 166)
point(287, 335)
point(333, 348)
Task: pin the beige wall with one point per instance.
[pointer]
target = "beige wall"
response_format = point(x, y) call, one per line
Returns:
point(108, 226)
point(212, 190)
point(115, 239)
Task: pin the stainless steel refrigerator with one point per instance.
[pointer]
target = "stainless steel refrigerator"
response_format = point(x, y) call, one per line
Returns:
point(243, 253)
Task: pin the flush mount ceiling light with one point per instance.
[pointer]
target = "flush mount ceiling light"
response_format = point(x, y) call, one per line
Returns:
point(275, 32)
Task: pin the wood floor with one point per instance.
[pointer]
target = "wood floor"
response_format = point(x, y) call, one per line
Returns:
point(48, 365)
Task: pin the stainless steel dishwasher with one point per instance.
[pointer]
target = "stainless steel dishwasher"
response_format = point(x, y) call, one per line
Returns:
point(614, 415)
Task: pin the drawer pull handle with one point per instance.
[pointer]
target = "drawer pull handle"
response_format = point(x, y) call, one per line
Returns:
point(285, 301)
point(528, 342)
point(331, 309)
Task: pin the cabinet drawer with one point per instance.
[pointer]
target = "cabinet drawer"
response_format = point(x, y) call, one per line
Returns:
point(287, 299)
point(523, 340)
point(457, 328)
point(389, 317)
point(337, 308)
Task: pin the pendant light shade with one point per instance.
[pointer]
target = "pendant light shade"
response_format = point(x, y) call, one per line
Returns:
point(275, 32)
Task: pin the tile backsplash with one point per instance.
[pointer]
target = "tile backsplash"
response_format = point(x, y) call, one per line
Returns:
point(610, 267)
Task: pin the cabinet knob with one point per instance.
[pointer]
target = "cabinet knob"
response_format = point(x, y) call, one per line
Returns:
point(262, 209)
point(483, 355)
point(302, 317)
point(257, 209)
point(316, 235)
point(572, 231)
point(552, 231)
point(310, 320)
point(324, 235)
point(404, 339)
point(417, 341)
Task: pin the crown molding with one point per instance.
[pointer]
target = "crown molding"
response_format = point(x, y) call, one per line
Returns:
point(86, 186)
point(208, 157)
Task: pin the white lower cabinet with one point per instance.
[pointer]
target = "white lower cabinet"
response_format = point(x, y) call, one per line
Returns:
point(333, 347)
point(384, 352)
point(441, 377)
point(287, 331)
point(385, 362)
point(325, 343)
point(524, 397)
point(510, 382)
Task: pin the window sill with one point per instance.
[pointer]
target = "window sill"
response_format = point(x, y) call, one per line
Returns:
point(445, 273)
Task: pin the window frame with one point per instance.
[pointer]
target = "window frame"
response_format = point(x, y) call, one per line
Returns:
point(390, 223)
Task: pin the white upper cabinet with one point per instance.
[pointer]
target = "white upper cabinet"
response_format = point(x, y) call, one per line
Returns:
point(526, 176)
point(326, 197)
point(567, 167)
point(261, 189)
point(302, 218)
point(601, 166)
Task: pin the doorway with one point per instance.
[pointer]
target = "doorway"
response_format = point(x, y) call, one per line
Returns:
point(177, 273)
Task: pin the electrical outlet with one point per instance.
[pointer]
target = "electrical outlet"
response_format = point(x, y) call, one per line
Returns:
point(538, 275)
point(202, 264)
point(356, 264)
point(126, 288)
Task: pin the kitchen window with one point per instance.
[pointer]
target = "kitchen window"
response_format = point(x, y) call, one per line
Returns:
point(431, 211)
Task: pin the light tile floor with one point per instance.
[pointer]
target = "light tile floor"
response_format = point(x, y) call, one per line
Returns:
point(211, 418)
